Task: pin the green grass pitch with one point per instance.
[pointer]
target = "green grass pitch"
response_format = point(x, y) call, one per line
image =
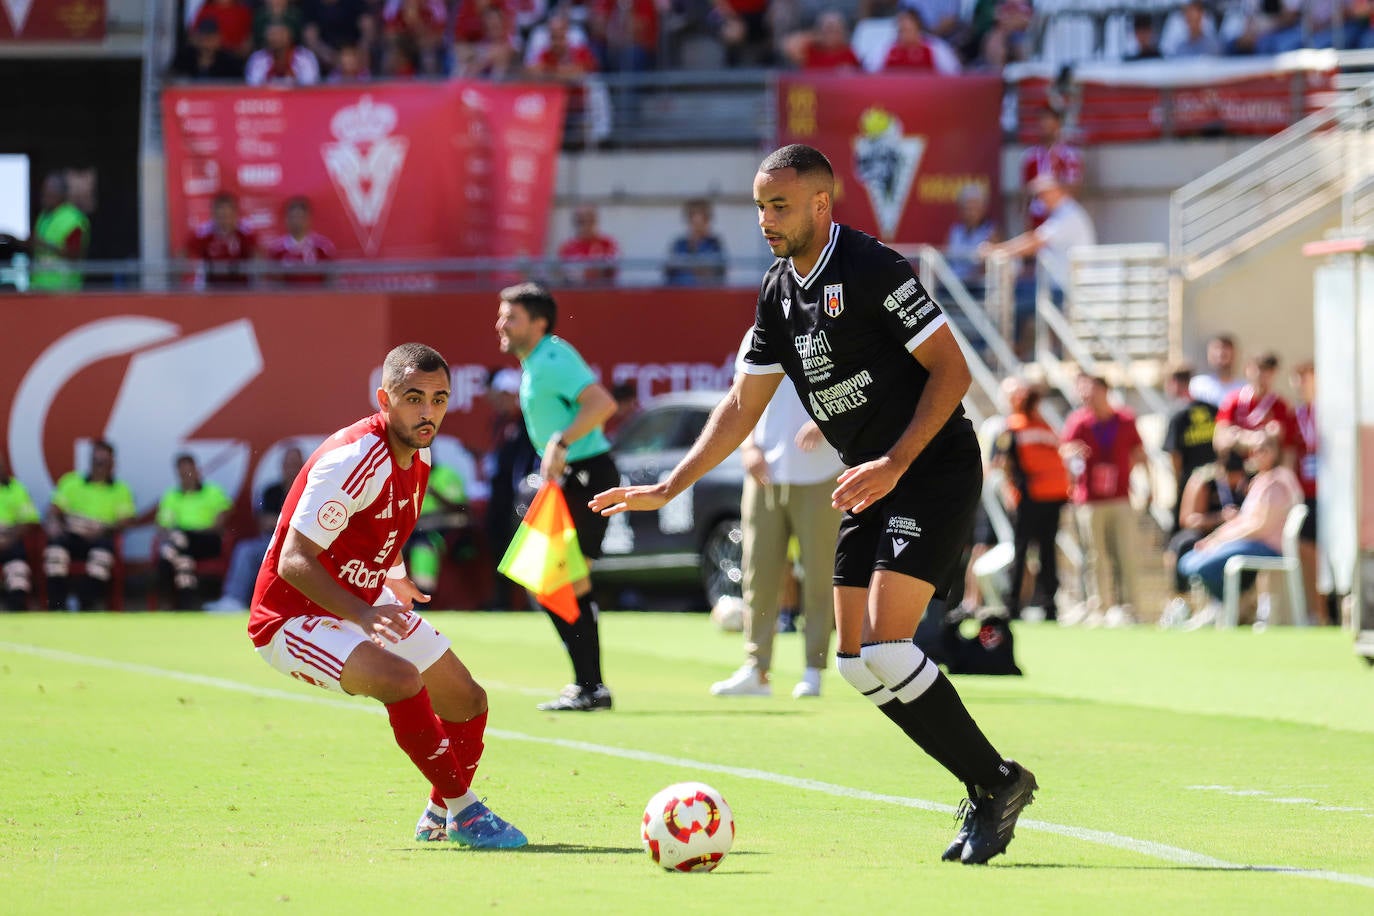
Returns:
point(151, 763)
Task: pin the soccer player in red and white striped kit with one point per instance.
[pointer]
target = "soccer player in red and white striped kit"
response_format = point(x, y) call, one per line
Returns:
point(333, 604)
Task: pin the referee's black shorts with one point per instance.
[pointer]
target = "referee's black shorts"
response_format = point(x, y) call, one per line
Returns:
point(583, 480)
point(921, 528)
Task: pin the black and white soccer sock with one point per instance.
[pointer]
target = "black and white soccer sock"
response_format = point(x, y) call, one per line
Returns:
point(928, 700)
point(853, 670)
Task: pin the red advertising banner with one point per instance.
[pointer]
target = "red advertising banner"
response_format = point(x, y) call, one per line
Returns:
point(1119, 112)
point(52, 20)
point(902, 146)
point(236, 379)
point(411, 171)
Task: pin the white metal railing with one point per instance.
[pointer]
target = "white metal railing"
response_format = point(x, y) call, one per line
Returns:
point(1120, 296)
point(1271, 186)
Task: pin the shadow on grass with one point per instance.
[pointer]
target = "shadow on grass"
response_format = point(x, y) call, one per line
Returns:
point(557, 849)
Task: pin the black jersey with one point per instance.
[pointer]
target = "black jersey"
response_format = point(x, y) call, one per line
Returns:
point(844, 335)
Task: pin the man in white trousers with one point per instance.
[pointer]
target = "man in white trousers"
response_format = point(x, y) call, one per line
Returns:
point(790, 474)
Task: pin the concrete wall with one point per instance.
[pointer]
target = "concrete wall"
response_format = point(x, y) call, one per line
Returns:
point(1264, 298)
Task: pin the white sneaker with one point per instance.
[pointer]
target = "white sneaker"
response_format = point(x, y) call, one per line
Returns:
point(1033, 614)
point(1118, 616)
point(809, 685)
point(746, 682)
point(1204, 618)
point(1175, 614)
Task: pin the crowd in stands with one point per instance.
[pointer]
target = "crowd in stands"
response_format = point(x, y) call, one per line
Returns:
point(1243, 458)
point(303, 42)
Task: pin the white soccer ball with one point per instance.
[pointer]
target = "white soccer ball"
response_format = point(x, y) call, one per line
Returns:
point(728, 614)
point(687, 827)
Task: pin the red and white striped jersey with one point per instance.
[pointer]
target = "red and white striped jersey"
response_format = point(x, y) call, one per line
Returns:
point(354, 501)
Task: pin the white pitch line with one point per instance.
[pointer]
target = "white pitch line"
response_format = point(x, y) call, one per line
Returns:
point(1149, 848)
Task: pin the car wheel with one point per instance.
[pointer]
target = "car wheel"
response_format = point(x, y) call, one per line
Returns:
point(722, 561)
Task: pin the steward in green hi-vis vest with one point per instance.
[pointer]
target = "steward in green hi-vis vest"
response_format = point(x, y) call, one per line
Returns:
point(190, 519)
point(60, 237)
point(16, 512)
point(88, 510)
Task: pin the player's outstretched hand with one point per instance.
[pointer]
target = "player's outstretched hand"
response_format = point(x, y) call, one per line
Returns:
point(384, 623)
point(627, 499)
point(864, 484)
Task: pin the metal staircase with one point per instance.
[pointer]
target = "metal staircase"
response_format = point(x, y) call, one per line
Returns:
point(1327, 157)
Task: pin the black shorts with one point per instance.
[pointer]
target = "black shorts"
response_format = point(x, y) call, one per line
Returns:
point(1309, 524)
point(920, 529)
point(583, 480)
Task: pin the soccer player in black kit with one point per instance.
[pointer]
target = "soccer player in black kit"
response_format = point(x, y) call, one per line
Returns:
point(868, 350)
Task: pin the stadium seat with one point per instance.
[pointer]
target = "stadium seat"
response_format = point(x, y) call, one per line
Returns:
point(1288, 565)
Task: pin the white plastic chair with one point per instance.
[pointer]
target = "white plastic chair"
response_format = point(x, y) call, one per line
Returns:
point(1289, 565)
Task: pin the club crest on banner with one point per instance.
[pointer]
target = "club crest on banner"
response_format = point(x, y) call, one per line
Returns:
point(364, 165)
point(886, 163)
point(833, 300)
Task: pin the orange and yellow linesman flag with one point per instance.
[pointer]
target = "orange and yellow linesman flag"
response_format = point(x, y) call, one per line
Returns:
point(544, 555)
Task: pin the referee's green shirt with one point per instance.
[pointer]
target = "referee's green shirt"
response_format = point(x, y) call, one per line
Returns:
point(554, 375)
point(16, 507)
point(107, 503)
point(193, 511)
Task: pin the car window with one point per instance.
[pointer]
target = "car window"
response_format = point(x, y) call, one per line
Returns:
point(653, 430)
point(693, 421)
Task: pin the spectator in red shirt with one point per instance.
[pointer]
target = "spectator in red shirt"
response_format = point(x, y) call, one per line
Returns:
point(235, 21)
point(562, 59)
point(1101, 446)
point(495, 54)
point(588, 257)
point(300, 246)
point(745, 27)
point(222, 246)
point(825, 46)
point(910, 53)
point(1255, 406)
point(1053, 157)
point(414, 32)
point(281, 62)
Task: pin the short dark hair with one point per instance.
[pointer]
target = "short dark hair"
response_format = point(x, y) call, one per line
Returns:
point(1225, 339)
point(105, 444)
point(1267, 361)
point(298, 202)
point(183, 456)
point(1182, 373)
point(224, 197)
point(807, 160)
point(535, 299)
point(410, 357)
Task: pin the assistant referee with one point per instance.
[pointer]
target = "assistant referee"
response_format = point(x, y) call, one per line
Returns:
point(565, 408)
point(882, 375)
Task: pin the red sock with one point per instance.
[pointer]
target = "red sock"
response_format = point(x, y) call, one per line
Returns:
point(421, 736)
point(465, 740)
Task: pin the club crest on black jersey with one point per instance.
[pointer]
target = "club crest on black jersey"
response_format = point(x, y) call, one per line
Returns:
point(844, 335)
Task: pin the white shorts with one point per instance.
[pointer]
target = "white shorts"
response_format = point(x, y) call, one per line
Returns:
point(314, 649)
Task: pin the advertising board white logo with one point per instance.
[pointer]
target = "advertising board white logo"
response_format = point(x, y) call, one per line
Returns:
point(172, 386)
point(364, 165)
point(19, 13)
